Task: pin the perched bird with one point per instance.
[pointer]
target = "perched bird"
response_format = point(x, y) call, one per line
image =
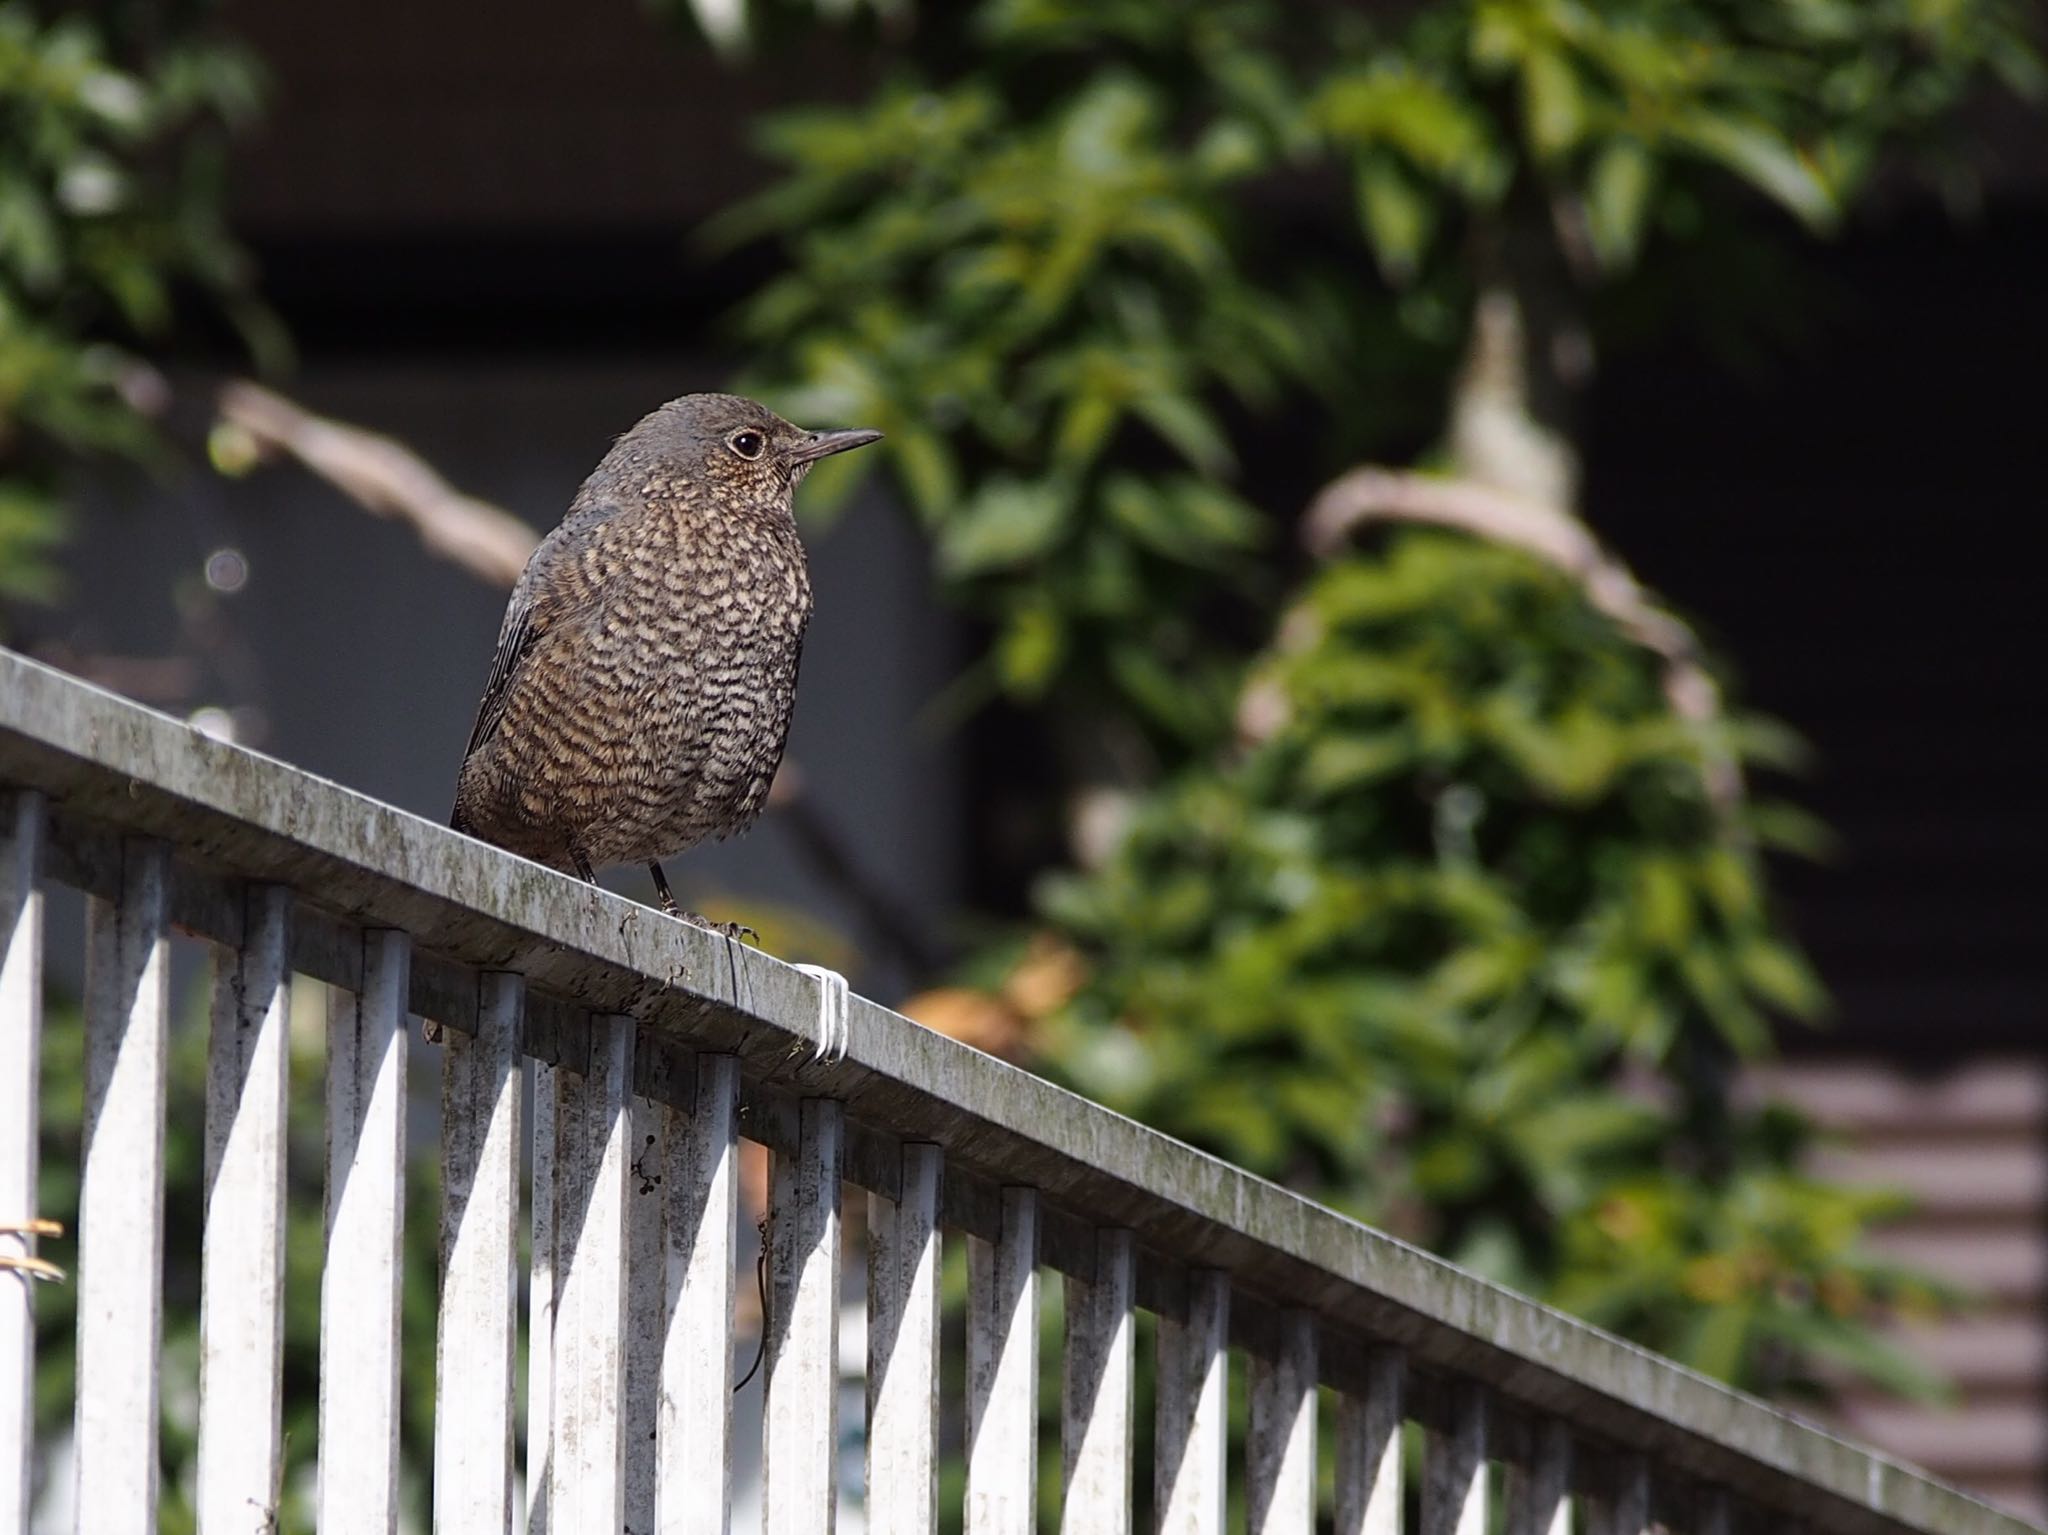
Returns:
point(646, 668)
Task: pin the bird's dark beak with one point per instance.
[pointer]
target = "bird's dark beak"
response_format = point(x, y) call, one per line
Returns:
point(817, 445)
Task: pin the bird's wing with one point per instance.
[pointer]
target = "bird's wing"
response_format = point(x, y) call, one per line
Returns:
point(515, 638)
point(544, 599)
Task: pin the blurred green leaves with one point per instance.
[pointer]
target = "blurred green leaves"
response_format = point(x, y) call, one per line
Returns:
point(110, 162)
point(1765, 1274)
point(1026, 304)
point(1458, 938)
point(1464, 945)
point(1039, 255)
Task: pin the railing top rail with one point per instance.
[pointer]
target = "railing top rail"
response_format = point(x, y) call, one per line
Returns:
point(111, 767)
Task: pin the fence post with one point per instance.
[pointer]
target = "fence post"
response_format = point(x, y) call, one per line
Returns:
point(1539, 1493)
point(1369, 1450)
point(701, 1174)
point(1454, 1498)
point(241, 1294)
point(477, 1323)
point(800, 1397)
point(903, 1350)
point(1192, 1430)
point(121, 1197)
point(21, 1043)
point(362, 1283)
point(593, 1159)
point(1095, 1399)
point(1002, 1372)
point(1280, 1451)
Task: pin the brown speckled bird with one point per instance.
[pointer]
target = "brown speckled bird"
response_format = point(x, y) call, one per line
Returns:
point(646, 668)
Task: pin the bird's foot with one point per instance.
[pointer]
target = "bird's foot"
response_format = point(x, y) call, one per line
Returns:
point(736, 932)
point(731, 931)
point(833, 1032)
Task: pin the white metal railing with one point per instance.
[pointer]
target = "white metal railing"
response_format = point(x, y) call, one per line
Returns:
point(651, 1046)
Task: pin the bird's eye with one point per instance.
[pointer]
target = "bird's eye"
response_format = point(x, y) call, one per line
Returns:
point(747, 444)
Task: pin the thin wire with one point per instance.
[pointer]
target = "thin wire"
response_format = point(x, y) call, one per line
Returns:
point(760, 1284)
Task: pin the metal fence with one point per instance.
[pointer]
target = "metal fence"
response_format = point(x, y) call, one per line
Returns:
point(654, 1048)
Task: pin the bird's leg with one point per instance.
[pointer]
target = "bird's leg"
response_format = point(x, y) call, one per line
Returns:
point(730, 931)
point(583, 870)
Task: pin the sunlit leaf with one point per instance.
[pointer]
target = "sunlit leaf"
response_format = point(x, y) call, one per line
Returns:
point(1553, 113)
point(1781, 978)
point(1618, 201)
point(1008, 523)
point(1719, 1340)
point(1188, 426)
point(1029, 649)
point(1398, 217)
point(1763, 157)
point(926, 464)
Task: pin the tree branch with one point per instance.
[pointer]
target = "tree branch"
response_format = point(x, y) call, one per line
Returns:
point(383, 477)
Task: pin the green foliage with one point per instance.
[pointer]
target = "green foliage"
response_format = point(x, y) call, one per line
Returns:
point(1610, 110)
point(109, 205)
point(1760, 1275)
point(1022, 306)
point(1044, 259)
point(1463, 944)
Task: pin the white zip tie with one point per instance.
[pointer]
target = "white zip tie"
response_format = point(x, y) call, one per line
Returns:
point(833, 1031)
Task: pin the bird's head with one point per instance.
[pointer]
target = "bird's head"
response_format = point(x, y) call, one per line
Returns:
point(737, 448)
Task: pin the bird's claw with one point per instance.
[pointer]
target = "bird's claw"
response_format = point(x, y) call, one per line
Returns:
point(737, 932)
point(833, 1031)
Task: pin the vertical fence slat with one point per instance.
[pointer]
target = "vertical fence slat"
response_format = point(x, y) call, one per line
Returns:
point(362, 1281)
point(1095, 1397)
point(21, 1043)
point(1717, 1513)
point(1369, 1450)
point(540, 1296)
point(1539, 1493)
point(1626, 1508)
point(701, 1176)
point(800, 1398)
point(120, 1200)
point(593, 1157)
point(646, 1290)
point(475, 1332)
point(1192, 1420)
point(241, 1296)
point(1454, 1500)
point(1002, 1372)
point(903, 1351)
point(1280, 1448)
